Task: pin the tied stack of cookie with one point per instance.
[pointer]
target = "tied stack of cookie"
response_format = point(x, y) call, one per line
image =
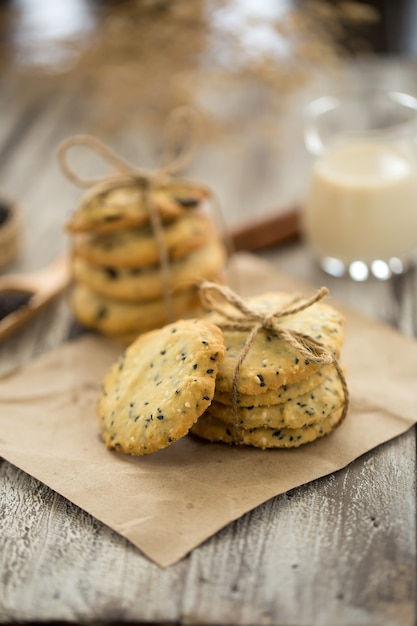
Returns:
point(280, 384)
point(140, 246)
point(262, 372)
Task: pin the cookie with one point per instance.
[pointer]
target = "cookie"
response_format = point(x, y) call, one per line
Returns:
point(271, 361)
point(113, 317)
point(276, 396)
point(159, 387)
point(107, 208)
point(140, 284)
point(138, 247)
point(213, 429)
point(296, 412)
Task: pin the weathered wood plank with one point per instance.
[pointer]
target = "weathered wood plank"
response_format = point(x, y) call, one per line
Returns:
point(322, 554)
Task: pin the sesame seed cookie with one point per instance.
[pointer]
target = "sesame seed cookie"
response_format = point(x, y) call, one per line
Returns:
point(213, 429)
point(296, 412)
point(158, 388)
point(107, 207)
point(114, 317)
point(138, 247)
point(140, 284)
point(273, 362)
point(276, 396)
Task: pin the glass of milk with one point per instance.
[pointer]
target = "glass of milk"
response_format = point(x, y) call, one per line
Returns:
point(360, 213)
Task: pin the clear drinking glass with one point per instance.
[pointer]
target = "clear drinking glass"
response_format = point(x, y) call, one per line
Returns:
point(360, 213)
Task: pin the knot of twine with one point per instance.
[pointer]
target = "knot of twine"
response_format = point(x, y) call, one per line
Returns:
point(180, 137)
point(241, 317)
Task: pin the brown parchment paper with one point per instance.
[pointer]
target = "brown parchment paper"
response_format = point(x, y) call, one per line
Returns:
point(169, 502)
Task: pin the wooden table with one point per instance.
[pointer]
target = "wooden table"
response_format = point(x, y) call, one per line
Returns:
point(340, 550)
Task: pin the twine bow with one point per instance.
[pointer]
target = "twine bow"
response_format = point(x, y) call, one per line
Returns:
point(239, 316)
point(180, 137)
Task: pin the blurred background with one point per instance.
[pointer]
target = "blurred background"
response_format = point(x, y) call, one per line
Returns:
point(116, 69)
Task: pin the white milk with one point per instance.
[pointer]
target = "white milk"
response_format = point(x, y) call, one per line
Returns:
point(362, 203)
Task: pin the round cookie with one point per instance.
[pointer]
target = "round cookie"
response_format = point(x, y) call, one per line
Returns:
point(277, 396)
point(159, 387)
point(138, 247)
point(213, 429)
point(296, 412)
point(110, 206)
point(140, 284)
point(113, 317)
point(273, 362)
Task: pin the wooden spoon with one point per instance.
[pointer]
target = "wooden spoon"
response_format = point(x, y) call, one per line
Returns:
point(30, 293)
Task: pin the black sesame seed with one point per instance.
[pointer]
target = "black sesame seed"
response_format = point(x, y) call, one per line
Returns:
point(195, 366)
point(160, 417)
point(206, 398)
point(111, 272)
point(186, 202)
point(205, 342)
point(210, 371)
point(102, 313)
point(261, 380)
point(112, 218)
point(228, 432)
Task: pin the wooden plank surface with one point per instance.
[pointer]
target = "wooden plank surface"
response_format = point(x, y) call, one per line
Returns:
point(338, 551)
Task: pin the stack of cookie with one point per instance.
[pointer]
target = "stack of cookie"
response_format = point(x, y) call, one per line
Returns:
point(121, 288)
point(182, 378)
point(279, 399)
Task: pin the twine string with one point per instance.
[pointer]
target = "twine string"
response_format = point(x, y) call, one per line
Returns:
point(241, 317)
point(182, 121)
